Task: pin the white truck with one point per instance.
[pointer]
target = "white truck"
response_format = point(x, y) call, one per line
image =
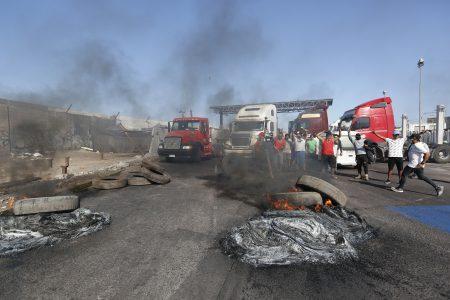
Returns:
point(248, 124)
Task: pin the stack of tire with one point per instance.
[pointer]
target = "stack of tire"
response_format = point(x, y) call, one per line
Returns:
point(148, 172)
point(313, 191)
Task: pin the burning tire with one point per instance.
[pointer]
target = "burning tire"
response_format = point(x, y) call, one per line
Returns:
point(323, 187)
point(299, 198)
point(45, 204)
point(138, 180)
point(155, 174)
point(109, 183)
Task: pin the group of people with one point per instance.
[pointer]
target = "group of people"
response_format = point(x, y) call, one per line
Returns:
point(298, 148)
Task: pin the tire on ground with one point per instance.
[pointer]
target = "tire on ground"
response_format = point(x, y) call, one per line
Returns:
point(441, 154)
point(109, 183)
point(159, 176)
point(137, 180)
point(299, 198)
point(45, 204)
point(323, 187)
point(152, 166)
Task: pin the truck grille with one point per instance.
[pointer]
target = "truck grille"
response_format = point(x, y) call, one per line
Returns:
point(172, 143)
point(240, 140)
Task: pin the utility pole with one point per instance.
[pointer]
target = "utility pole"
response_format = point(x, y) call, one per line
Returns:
point(420, 64)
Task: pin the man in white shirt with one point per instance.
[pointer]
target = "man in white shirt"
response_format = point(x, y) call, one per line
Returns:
point(395, 156)
point(300, 149)
point(418, 155)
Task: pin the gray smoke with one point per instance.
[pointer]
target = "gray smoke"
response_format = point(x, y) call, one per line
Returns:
point(98, 78)
point(222, 44)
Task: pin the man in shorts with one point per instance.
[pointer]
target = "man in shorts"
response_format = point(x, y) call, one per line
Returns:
point(395, 156)
point(418, 155)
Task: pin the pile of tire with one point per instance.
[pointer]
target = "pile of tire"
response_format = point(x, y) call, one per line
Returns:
point(148, 172)
point(312, 191)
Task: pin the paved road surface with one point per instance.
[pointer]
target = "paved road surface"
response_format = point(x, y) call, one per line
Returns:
point(163, 243)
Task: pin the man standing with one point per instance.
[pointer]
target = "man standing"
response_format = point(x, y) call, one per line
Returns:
point(279, 144)
point(395, 156)
point(328, 155)
point(418, 155)
point(361, 155)
point(299, 148)
point(287, 151)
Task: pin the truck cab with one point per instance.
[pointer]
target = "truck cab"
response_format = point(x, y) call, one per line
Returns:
point(372, 115)
point(249, 122)
point(187, 137)
point(313, 121)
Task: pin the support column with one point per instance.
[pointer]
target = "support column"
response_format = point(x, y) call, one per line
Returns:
point(404, 126)
point(440, 123)
point(221, 120)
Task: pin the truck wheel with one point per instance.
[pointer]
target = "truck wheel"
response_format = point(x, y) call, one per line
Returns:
point(323, 187)
point(197, 155)
point(45, 204)
point(441, 154)
point(299, 198)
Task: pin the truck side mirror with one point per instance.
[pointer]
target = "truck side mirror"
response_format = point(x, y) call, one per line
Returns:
point(169, 126)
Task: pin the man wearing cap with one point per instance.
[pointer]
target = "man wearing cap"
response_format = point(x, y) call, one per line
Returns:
point(395, 156)
point(418, 155)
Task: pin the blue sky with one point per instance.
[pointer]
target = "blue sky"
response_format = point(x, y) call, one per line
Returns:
point(155, 58)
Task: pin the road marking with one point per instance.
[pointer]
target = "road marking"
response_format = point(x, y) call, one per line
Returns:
point(437, 216)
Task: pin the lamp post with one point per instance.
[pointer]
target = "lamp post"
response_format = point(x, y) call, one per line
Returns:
point(420, 64)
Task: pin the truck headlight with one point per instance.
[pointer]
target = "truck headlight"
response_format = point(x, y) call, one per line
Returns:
point(227, 145)
point(187, 147)
point(161, 146)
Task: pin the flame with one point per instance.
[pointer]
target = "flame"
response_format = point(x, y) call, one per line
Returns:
point(328, 203)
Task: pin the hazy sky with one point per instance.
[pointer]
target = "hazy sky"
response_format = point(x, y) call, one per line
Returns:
point(155, 58)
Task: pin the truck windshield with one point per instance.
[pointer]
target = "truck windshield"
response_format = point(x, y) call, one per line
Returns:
point(186, 125)
point(248, 126)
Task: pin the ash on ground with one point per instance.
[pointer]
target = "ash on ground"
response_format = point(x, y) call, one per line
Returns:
point(21, 233)
point(300, 236)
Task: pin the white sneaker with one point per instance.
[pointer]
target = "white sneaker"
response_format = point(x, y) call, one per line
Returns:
point(358, 177)
point(397, 190)
point(366, 177)
point(440, 190)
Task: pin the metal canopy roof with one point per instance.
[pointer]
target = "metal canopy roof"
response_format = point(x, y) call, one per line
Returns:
point(282, 107)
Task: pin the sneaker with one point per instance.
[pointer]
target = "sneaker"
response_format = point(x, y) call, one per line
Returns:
point(397, 190)
point(358, 177)
point(366, 177)
point(387, 182)
point(439, 190)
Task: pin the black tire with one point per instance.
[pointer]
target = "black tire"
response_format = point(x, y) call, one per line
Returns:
point(323, 187)
point(156, 175)
point(299, 198)
point(152, 166)
point(197, 154)
point(441, 154)
point(45, 204)
point(109, 183)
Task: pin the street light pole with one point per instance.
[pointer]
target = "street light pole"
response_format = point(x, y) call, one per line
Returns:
point(420, 64)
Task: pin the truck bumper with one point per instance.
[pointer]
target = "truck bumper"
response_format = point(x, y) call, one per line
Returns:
point(247, 153)
point(176, 152)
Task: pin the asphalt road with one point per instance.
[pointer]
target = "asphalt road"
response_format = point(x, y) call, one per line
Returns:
point(163, 243)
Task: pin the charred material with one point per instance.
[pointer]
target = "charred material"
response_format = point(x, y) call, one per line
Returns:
point(299, 236)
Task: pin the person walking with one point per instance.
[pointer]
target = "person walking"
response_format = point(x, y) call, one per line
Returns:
point(361, 155)
point(328, 155)
point(299, 148)
point(395, 153)
point(418, 155)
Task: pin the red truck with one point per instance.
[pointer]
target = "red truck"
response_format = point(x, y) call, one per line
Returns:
point(375, 115)
point(188, 137)
point(313, 121)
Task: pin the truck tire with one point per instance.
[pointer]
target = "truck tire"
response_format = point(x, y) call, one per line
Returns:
point(156, 175)
point(299, 198)
point(109, 183)
point(441, 154)
point(138, 180)
point(197, 154)
point(45, 204)
point(323, 187)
